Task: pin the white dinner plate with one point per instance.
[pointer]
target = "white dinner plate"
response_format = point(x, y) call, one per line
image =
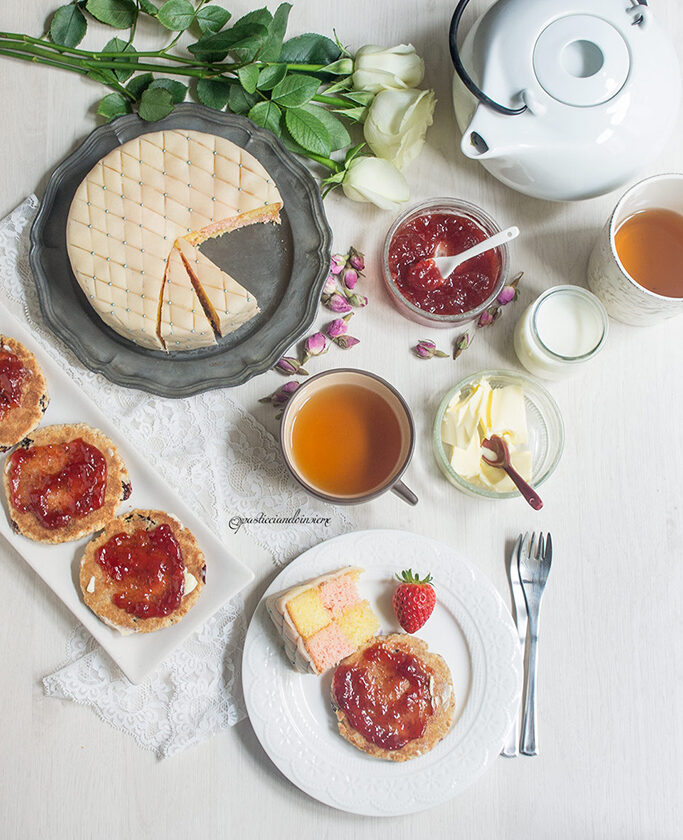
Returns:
point(58, 565)
point(470, 627)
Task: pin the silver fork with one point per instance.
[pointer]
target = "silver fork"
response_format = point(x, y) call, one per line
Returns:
point(510, 748)
point(533, 573)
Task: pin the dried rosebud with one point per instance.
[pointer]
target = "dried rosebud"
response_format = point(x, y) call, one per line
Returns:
point(282, 395)
point(330, 286)
point(357, 300)
point(338, 327)
point(338, 263)
point(485, 319)
point(338, 303)
point(356, 259)
point(507, 295)
point(346, 341)
point(350, 278)
point(461, 343)
point(426, 349)
point(314, 345)
point(289, 366)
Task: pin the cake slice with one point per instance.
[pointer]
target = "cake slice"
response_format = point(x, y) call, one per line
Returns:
point(182, 323)
point(227, 304)
point(323, 620)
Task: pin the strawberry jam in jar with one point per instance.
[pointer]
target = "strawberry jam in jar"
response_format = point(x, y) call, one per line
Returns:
point(443, 227)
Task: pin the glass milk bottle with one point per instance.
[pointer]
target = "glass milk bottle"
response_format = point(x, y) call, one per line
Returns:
point(564, 327)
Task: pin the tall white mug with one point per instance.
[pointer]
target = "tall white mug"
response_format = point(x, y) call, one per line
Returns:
point(624, 298)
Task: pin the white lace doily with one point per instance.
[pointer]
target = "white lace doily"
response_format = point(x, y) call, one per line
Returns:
point(236, 470)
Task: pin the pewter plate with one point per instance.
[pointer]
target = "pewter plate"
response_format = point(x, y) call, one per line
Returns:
point(286, 265)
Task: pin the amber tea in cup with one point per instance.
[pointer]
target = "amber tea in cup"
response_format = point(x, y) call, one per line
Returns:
point(347, 436)
point(650, 246)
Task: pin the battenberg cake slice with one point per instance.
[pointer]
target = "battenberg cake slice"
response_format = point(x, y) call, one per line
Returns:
point(323, 620)
point(227, 303)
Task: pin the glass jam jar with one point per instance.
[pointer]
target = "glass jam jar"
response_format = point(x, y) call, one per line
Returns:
point(563, 327)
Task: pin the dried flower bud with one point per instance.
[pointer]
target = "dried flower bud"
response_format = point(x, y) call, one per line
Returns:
point(282, 395)
point(356, 259)
point(485, 319)
point(338, 263)
point(357, 300)
point(314, 345)
point(289, 366)
point(350, 278)
point(338, 327)
point(426, 349)
point(346, 341)
point(507, 295)
point(461, 343)
point(330, 286)
point(338, 303)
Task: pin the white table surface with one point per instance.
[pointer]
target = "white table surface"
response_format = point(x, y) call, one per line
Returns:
point(610, 697)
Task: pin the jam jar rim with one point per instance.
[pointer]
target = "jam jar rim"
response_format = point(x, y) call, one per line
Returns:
point(454, 206)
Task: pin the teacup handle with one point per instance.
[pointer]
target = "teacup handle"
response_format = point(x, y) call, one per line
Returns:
point(405, 493)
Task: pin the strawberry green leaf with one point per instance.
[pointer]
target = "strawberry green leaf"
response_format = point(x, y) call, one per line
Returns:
point(68, 26)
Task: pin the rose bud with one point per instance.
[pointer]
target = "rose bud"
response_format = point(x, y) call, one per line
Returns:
point(337, 327)
point(338, 263)
point(485, 319)
point(507, 295)
point(330, 286)
point(350, 278)
point(346, 341)
point(314, 345)
point(357, 300)
point(338, 303)
point(289, 366)
point(426, 349)
point(356, 259)
point(461, 343)
point(283, 394)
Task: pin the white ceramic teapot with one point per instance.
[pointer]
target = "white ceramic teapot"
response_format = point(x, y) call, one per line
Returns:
point(564, 99)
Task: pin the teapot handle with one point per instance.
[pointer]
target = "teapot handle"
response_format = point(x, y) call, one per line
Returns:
point(464, 75)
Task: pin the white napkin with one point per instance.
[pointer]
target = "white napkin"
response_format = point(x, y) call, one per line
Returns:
point(236, 471)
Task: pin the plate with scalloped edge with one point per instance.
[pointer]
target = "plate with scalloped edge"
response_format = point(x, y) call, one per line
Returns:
point(470, 627)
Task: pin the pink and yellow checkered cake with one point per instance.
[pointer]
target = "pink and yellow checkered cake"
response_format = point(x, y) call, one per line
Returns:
point(323, 621)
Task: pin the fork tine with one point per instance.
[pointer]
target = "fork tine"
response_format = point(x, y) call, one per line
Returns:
point(530, 552)
point(548, 548)
point(540, 547)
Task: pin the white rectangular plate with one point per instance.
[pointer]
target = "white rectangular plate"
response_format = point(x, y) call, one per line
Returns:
point(58, 565)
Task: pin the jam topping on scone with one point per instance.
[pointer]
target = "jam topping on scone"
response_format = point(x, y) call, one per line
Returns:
point(385, 695)
point(58, 483)
point(13, 376)
point(149, 566)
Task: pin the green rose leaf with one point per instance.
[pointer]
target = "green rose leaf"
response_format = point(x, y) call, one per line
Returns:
point(271, 75)
point(148, 7)
point(243, 40)
point(138, 84)
point(276, 33)
point(68, 26)
point(177, 89)
point(267, 115)
point(117, 13)
point(339, 136)
point(176, 15)
point(262, 17)
point(116, 45)
point(248, 76)
point(308, 131)
point(239, 101)
point(113, 105)
point(295, 90)
point(310, 49)
point(214, 93)
point(212, 19)
point(155, 104)
point(104, 77)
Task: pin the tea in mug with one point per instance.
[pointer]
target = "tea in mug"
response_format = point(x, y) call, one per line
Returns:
point(650, 246)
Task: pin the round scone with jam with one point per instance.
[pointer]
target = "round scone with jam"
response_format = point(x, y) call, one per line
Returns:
point(63, 482)
point(393, 698)
point(143, 572)
point(23, 392)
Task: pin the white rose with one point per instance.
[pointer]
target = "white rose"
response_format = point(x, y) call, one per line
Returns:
point(397, 122)
point(380, 68)
point(377, 181)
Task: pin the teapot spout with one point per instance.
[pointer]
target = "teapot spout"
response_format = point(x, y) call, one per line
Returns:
point(479, 138)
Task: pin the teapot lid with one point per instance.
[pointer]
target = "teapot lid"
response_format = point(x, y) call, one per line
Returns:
point(581, 60)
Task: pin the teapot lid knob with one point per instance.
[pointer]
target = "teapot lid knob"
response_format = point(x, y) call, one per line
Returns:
point(581, 60)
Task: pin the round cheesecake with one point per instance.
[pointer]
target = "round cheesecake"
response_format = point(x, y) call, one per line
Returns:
point(393, 698)
point(23, 392)
point(63, 482)
point(144, 572)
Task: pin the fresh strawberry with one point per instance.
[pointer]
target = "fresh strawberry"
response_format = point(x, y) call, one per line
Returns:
point(413, 600)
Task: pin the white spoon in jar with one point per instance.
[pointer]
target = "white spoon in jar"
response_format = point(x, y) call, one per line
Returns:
point(447, 265)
